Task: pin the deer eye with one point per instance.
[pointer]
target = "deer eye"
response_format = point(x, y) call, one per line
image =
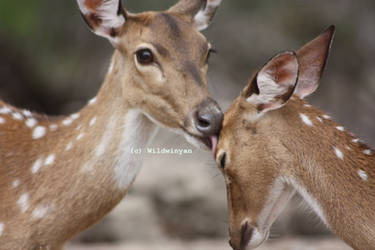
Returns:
point(145, 56)
point(223, 160)
point(210, 52)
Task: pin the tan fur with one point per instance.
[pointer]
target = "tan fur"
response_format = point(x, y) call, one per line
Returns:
point(77, 196)
point(280, 147)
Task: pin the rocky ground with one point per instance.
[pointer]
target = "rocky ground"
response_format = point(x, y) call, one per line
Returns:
point(279, 244)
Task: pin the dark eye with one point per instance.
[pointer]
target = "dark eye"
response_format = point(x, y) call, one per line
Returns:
point(145, 56)
point(210, 52)
point(223, 160)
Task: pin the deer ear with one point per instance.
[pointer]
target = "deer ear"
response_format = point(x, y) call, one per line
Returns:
point(312, 59)
point(104, 17)
point(201, 12)
point(274, 84)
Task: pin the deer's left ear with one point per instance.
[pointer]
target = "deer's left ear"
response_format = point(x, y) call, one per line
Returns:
point(201, 12)
point(104, 17)
point(312, 59)
point(274, 84)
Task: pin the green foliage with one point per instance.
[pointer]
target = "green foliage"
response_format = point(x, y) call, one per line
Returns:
point(20, 17)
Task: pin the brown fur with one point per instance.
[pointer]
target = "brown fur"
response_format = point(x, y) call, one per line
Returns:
point(280, 147)
point(93, 4)
point(79, 199)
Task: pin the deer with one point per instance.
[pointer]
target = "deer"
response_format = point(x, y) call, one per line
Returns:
point(274, 144)
point(61, 175)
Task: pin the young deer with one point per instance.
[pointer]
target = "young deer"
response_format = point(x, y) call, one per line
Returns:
point(273, 144)
point(59, 176)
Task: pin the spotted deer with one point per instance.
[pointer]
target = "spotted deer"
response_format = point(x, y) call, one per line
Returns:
point(59, 176)
point(274, 144)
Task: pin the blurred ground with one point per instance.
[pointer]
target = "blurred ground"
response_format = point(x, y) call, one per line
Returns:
point(285, 244)
point(51, 63)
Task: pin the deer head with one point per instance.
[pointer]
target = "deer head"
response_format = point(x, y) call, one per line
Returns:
point(160, 63)
point(250, 153)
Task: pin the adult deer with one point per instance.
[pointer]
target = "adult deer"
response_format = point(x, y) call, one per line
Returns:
point(274, 144)
point(59, 176)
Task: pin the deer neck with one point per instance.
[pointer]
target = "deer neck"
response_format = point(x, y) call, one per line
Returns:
point(73, 169)
point(332, 170)
point(117, 128)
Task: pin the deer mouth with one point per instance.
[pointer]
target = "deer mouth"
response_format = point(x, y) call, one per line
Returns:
point(206, 141)
point(210, 142)
point(202, 142)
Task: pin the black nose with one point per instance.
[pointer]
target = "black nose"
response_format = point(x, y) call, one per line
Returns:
point(209, 118)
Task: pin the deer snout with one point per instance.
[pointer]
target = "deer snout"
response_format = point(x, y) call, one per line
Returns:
point(208, 119)
point(247, 237)
point(242, 237)
point(246, 234)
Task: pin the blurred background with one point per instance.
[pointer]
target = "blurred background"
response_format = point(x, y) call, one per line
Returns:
point(51, 63)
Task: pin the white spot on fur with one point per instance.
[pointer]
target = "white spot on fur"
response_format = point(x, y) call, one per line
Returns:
point(5, 110)
point(69, 146)
point(23, 202)
point(355, 140)
point(31, 122)
point(307, 105)
point(17, 116)
point(53, 127)
point(92, 101)
point(2, 120)
point(16, 183)
point(348, 148)
point(340, 128)
point(37, 165)
point(80, 136)
point(40, 212)
point(367, 152)
point(75, 116)
point(306, 119)
point(92, 121)
point(111, 67)
point(39, 132)
point(319, 119)
point(27, 113)
point(49, 160)
point(338, 153)
point(1, 229)
point(363, 175)
point(67, 122)
point(327, 117)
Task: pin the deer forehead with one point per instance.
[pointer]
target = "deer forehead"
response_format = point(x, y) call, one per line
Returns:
point(171, 35)
point(232, 113)
point(232, 127)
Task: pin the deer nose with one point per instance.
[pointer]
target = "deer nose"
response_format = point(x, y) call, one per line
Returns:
point(209, 118)
point(246, 235)
point(231, 244)
point(241, 240)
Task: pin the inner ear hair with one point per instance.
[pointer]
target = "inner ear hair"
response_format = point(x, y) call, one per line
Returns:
point(104, 17)
point(274, 84)
point(252, 87)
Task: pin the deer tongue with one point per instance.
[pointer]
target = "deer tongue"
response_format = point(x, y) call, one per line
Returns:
point(213, 139)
